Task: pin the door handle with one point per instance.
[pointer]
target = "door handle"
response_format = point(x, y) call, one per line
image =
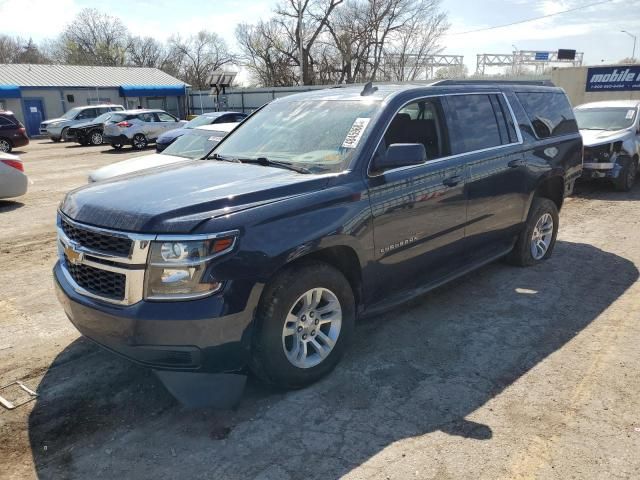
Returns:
point(452, 181)
point(518, 162)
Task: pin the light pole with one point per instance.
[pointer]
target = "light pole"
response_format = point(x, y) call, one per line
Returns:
point(633, 55)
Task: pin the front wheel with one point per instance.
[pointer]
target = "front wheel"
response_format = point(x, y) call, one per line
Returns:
point(304, 322)
point(116, 146)
point(536, 241)
point(5, 145)
point(627, 176)
point(139, 141)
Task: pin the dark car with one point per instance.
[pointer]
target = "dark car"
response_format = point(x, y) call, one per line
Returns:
point(319, 208)
point(91, 132)
point(12, 132)
point(166, 138)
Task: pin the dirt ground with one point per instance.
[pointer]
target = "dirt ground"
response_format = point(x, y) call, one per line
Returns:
point(506, 373)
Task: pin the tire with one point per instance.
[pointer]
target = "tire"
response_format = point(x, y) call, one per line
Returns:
point(627, 176)
point(55, 139)
point(139, 141)
point(274, 348)
point(63, 134)
point(95, 137)
point(523, 251)
point(116, 146)
point(5, 145)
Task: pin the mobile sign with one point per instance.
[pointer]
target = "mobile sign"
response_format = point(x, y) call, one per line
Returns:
point(613, 78)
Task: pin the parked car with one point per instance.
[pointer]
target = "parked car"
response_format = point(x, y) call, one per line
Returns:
point(57, 128)
point(320, 207)
point(211, 118)
point(90, 132)
point(194, 144)
point(611, 135)
point(12, 132)
point(13, 181)
point(138, 128)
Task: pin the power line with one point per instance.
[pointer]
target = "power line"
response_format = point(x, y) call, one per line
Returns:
point(530, 19)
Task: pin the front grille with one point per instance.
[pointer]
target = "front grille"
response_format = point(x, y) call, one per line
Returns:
point(101, 242)
point(597, 154)
point(99, 282)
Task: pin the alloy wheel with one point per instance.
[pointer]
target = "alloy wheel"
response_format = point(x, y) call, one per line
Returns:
point(96, 138)
point(542, 236)
point(312, 327)
point(5, 146)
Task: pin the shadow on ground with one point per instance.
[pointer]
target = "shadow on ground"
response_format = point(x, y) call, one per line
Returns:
point(9, 205)
point(603, 189)
point(419, 369)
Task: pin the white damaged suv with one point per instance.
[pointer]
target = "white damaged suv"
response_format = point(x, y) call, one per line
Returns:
point(611, 138)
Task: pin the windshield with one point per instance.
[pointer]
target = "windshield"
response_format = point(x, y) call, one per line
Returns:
point(103, 118)
point(70, 115)
point(605, 118)
point(194, 144)
point(319, 135)
point(200, 121)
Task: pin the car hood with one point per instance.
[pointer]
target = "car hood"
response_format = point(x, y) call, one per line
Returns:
point(591, 138)
point(175, 200)
point(54, 120)
point(89, 123)
point(171, 135)
point(134, 165)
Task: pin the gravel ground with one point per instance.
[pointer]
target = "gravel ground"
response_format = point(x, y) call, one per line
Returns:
point(506, 373)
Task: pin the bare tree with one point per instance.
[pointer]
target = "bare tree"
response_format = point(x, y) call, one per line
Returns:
point(9, 49)
point(18, 50)
point(201, 55)
point(145, 52)
point(267, 53)
point(94, 38)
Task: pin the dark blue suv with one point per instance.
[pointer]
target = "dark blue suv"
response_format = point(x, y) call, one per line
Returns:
point(320, 208)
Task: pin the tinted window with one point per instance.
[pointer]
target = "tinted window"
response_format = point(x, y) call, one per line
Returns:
point(147, 117)
point(418, 122)
point(87, 114)
point(550, 113)
point(5, 121)
point(473, 123)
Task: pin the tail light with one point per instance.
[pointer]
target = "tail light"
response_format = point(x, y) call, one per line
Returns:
point(14, 164)
point(22, 130)
point(123, 124)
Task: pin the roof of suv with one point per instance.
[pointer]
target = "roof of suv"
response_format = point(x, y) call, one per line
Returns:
point(102, 105)
point(138, 111)
point(384, 91)
point(610, 103)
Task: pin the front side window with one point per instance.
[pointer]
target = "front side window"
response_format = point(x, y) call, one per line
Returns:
point(319, 135)
point(165, 117)
point(146, 117)
point(549, 112)
point(605, 118)
point(418, 122)
point(87, 114)
point(473, 123)
point(71, 114)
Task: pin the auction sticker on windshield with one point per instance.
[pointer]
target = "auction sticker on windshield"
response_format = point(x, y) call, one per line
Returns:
point(629, 115)
point(355, 133)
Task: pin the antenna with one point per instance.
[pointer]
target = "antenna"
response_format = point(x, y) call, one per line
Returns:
point(368, 89)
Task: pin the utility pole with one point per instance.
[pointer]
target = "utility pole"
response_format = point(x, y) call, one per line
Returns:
point(633, 55)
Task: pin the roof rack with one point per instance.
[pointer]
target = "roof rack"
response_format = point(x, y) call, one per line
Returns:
point(543, 83)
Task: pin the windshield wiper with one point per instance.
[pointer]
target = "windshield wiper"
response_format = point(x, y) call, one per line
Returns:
point(217, 156)
point(264, 161)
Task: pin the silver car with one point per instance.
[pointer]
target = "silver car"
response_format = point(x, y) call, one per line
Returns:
point(138, 128)
point(13, 181)
point(57, 128)
point(194, 144)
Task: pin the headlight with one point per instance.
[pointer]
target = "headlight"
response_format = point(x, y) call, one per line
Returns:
point(178, 268)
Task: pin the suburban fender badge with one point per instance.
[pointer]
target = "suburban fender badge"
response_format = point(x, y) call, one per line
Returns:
point(399, 244)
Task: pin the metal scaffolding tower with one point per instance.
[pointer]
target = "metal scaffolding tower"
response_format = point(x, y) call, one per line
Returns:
point(519, 58)
point(418, 63)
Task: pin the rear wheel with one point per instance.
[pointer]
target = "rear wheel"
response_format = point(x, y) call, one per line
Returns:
point(55, 139)
point(5, 145)
point(116, 146)
point(627, 176)
point(304, 322)
point(95, 137)
point(63, 135)
point(139, 141)
point(535, 243)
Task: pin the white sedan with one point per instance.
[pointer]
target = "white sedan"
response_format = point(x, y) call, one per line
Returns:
point(193, 145)
point(13, 181)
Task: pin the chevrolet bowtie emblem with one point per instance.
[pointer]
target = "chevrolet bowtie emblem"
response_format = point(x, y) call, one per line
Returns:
point(73, 257)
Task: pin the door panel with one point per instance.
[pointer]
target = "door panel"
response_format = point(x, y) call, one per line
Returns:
point(419, 215)
point(33, 115)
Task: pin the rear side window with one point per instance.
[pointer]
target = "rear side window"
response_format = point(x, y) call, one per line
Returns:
point(474, 124)
point(6, 121)
point(147, 117)
point(550, 113)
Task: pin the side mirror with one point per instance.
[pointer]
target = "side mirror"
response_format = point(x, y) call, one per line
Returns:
point(401, 155)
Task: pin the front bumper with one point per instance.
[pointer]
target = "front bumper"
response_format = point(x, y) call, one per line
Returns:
point(198, 335)
point(601, 170)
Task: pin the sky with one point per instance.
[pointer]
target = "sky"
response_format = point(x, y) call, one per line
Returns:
point(596, 30)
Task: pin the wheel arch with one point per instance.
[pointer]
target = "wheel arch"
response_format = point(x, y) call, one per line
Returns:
point(551, 187)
